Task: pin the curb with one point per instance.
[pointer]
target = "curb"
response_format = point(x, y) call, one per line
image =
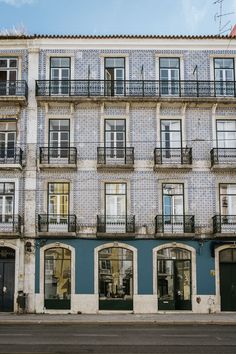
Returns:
point(137, 322)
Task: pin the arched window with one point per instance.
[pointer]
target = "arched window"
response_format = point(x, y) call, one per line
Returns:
point(115, 279)
point(57, 278)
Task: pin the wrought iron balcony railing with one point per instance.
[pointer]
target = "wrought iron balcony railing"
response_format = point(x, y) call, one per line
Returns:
point(174, 224)
point(14, 88)
point(55, 155)
point(116, 224)
point(136, 88)
point(11, 155)
point(172, 156)
point(223, 156)
point(56, 223)
point(10, 223)
point(224, 224)
point(115, 156)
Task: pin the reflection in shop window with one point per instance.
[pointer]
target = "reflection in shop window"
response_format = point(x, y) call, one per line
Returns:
point(57, 285)
point(115, 274)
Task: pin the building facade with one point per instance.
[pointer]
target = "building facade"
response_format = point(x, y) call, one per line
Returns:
point(118, 173)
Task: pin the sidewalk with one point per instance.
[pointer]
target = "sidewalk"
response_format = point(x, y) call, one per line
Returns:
point(162, 319)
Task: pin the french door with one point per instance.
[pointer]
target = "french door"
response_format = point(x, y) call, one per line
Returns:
point(58, 206)
point(169, 76)
point(114, 76)
point(224, 77)
point(7, 144)
point(60, 76)
point(115, 140)
point(59, 139)
point(8, 76)
point(115, 207)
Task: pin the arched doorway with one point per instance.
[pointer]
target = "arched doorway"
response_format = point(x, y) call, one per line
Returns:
point(57, 278)
point(7, 279)
point(227, 259)
point(174, 279)
point(115, 278)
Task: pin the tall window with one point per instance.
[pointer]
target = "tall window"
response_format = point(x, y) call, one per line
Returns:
point(57, 278)
point(169, 76)
point(8, 72)
point(7, 139)
point(7, 195)
point(59, 137)
point(224, 76)
point(227, 199)
point(115, 279)
point(115, 138)
point(58, 205)
point(114, 76)
point(115, 207)
point(173, 202)
point(226, 133)
point(171, 139)
point(60, 75)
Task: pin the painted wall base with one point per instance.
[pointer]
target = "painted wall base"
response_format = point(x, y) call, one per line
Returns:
point(145, 304)
point(88, 304)
point(205, 304)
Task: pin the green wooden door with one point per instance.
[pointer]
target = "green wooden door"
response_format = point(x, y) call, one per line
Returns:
point(228, 286)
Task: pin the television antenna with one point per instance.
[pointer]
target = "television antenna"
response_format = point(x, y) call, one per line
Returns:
point(223, 27)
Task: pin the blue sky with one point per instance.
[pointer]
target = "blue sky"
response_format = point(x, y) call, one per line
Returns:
point(114, 16)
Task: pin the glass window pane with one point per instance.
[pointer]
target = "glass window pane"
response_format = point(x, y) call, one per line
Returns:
point(3, 63)
point(114, 62)
point(13, 63)
point(174, 253)
point(54, 124)
point(116, 188)
point(173, 189)
point(226, 255)
point(9, 187)
point(169, 63)
point(55, 62)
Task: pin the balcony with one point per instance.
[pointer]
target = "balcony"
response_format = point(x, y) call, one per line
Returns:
point(136, 89)
point(172, 158)
point(10, 225)
point(116, 225)
point(167, 225)
point(11, 158)
point(57, 224)
point(13, 91)
point(223, 158)
point(115, 158)
point(50, 157)
point(224, 224)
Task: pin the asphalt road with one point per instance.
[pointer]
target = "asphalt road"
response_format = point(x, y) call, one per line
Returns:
point(117, 339)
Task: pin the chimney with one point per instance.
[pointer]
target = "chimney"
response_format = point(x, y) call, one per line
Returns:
point(233, 32)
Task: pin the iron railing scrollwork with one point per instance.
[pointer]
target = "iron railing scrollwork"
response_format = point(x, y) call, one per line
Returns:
point(57, 223)
point(115, 155)
point(136, 88)
point(174, 224)
point(58, 155)
point(116, 224)
point(182, 156)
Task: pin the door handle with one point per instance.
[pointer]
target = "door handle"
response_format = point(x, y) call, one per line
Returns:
point(4, 289)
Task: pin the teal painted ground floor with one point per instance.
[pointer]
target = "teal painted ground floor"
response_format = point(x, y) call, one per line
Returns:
point(142, 276)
